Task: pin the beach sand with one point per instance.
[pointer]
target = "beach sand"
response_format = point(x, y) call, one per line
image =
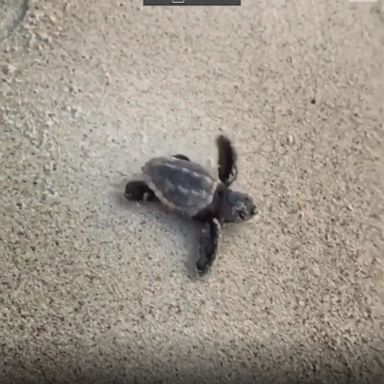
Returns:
point(94, 289)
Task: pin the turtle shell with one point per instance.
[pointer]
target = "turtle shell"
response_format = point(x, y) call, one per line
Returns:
point(182, 185)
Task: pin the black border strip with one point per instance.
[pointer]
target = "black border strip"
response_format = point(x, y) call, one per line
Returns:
point(192, 2)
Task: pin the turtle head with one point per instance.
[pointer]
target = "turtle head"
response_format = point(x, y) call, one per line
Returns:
point(236, 206)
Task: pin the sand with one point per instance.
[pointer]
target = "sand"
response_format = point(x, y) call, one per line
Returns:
point(94, 289)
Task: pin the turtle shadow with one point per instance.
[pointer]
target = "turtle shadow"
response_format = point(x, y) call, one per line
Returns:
point(186, 230)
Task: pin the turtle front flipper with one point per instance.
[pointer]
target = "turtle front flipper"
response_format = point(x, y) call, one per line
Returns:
point(139, 191)
point(208, 243)
point(227, 160)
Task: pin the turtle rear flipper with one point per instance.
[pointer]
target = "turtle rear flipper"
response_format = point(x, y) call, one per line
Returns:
point(208, 243)
point(227, 160)
point(138, 190)
point(181, 157)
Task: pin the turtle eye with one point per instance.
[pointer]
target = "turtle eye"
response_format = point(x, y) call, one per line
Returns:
point(242, 215)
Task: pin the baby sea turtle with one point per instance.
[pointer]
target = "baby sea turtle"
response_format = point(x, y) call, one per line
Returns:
point(190, 189)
